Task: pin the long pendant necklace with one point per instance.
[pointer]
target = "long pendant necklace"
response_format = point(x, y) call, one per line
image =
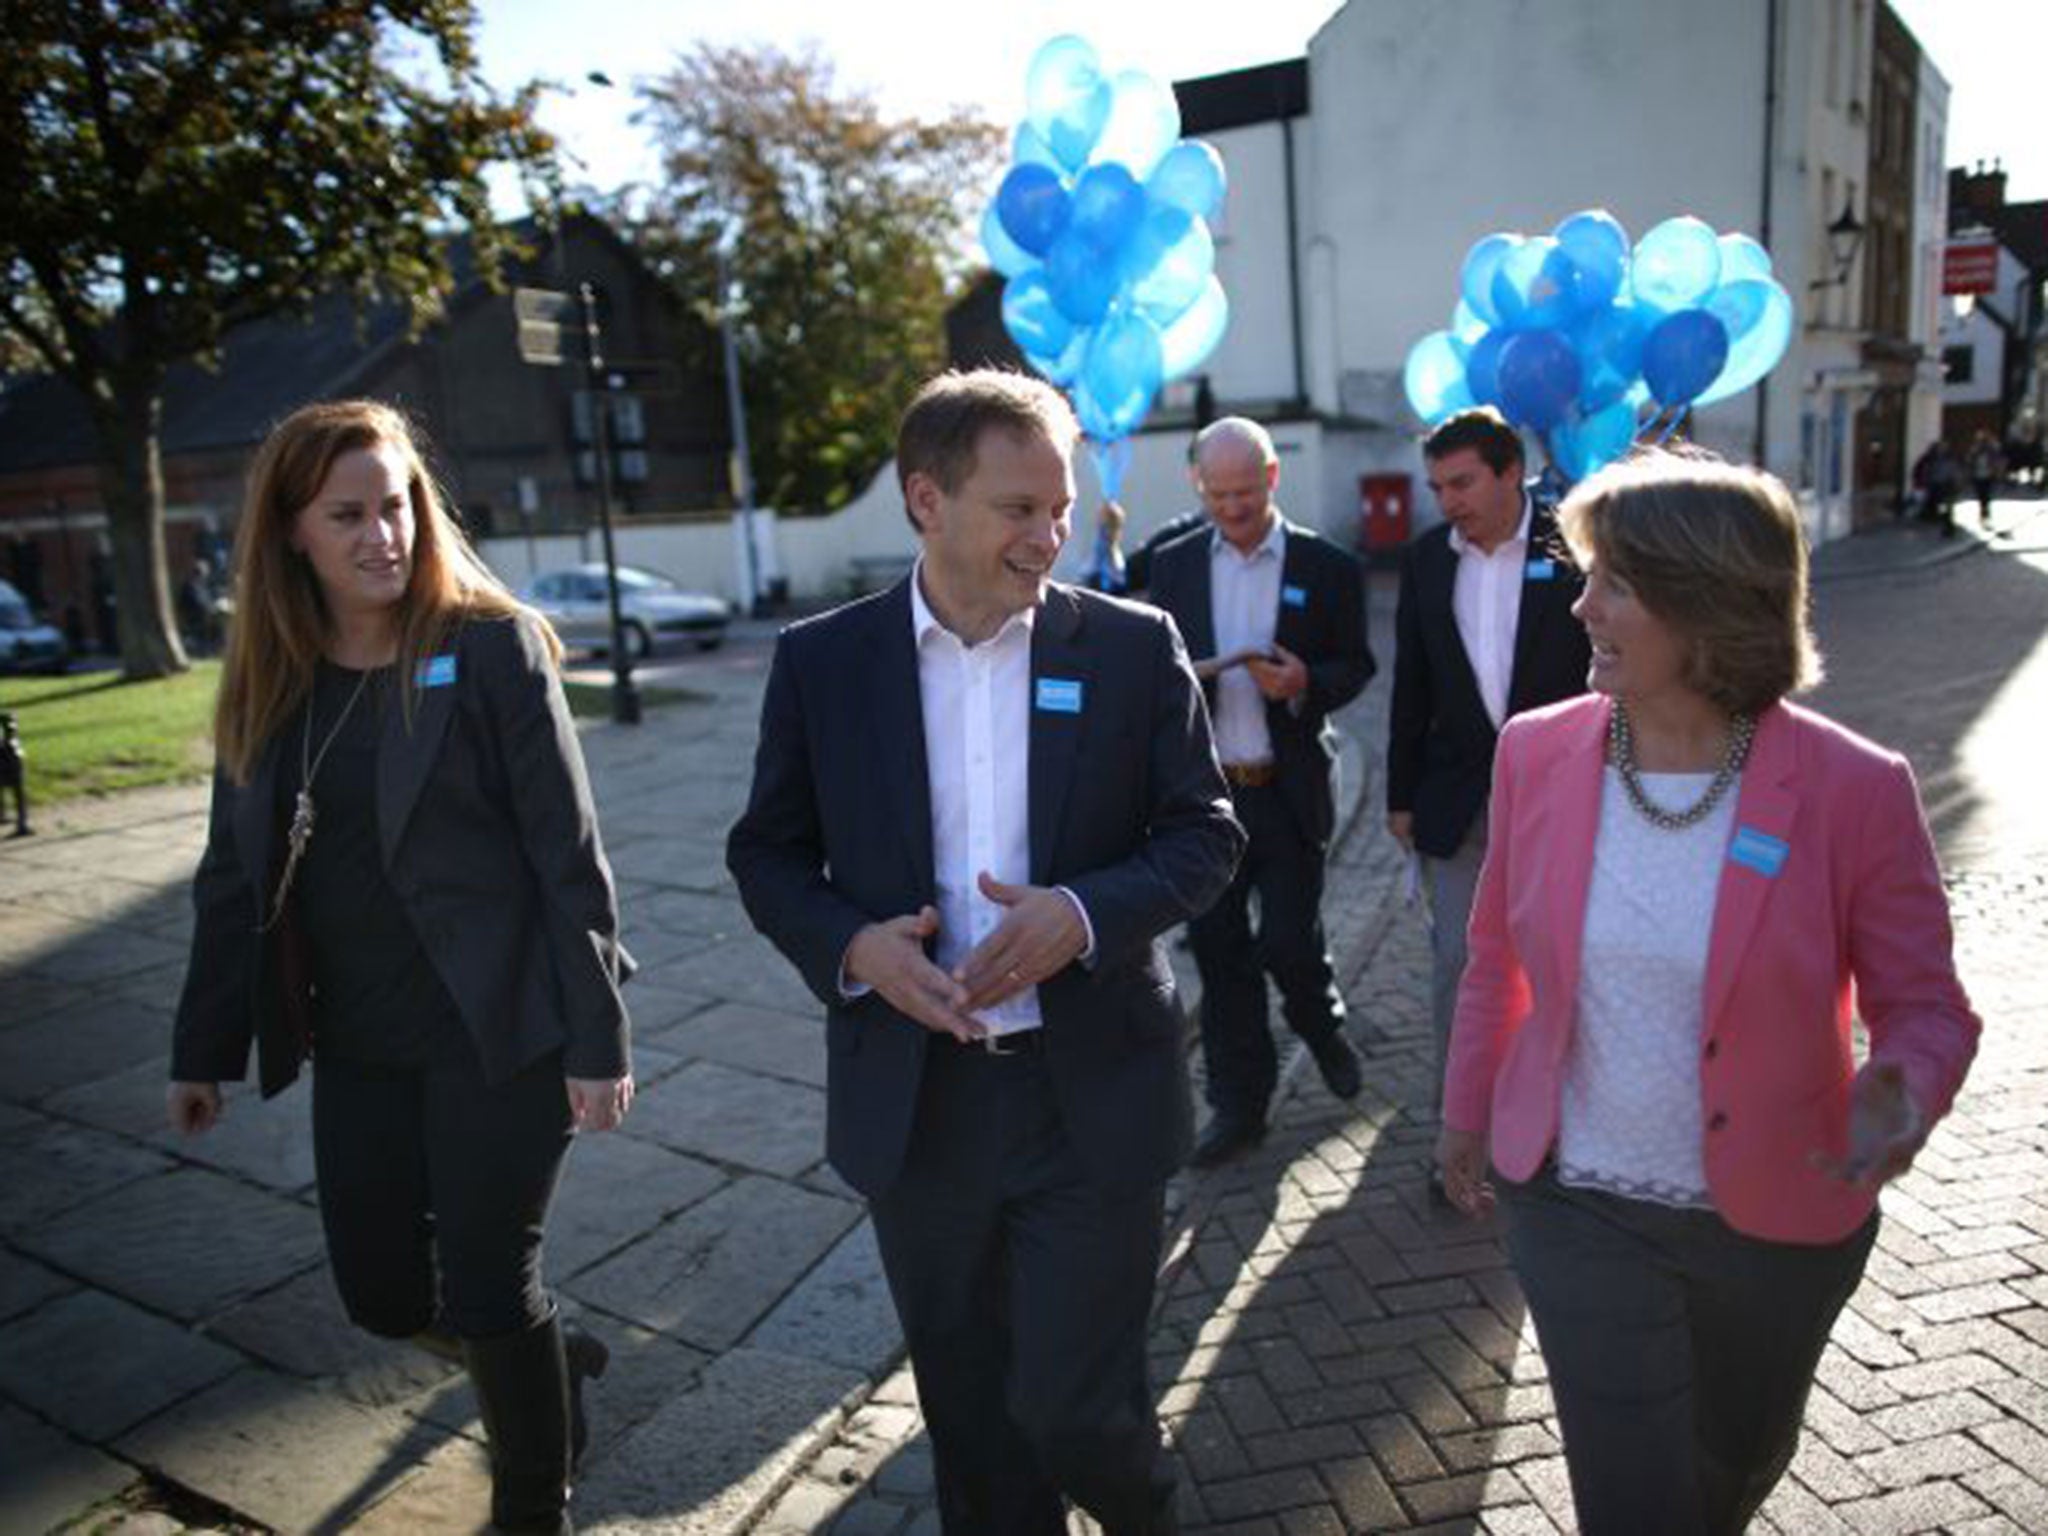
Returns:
point(300, 833)
point(1621, 751)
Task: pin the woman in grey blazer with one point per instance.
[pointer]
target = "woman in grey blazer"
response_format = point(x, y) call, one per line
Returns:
point(403, 882)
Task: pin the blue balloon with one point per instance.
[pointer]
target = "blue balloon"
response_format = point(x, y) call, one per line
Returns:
point(1610, 346)
point(1190, 178)
point(1482, 367)
point(1004, 254)
point(1466, 324)
point(1028, 147)
point(1539, 379)
point(1032, 319)
point(1107, 204)
point(1033, 206)
point(1739, 306)
point(1435, 377)
point(1584, 444)
point(1482, 263)
point(1066, 367)
point(1742, 258)
point(1536, 286)
point(1120, 376)
point(1676, 264)
point(1082, 278)
point(1597, 247)
point(1066, 98)
point(1759, 349)
point(1683, 354)
point(1186, 344)
point(1169, 260)
point(1144, 123)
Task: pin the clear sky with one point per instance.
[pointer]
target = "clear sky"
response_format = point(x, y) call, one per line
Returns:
point(922, 56)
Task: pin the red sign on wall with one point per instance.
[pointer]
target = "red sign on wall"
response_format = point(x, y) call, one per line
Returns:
point(1970, 266)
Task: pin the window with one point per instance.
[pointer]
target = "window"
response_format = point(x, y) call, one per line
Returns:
point(1958, 365)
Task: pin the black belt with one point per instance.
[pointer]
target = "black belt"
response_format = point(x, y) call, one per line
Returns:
point(1021, 1042)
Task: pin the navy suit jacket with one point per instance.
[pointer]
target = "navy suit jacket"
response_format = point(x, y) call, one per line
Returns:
point(1321, 620)
point(1128, 810)
point(1440, 738)
point(490, 842)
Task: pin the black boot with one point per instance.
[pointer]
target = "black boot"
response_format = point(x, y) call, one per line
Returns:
point(587, 1357)
point(522, 1388)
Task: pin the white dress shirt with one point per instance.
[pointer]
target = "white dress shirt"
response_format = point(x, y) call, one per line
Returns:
point(1486, 600)
point(1244, 605)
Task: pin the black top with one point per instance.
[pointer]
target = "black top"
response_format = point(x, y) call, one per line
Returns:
point(376, 996)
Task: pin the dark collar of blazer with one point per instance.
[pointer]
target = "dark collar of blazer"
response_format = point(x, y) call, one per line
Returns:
point(1291, 625)
point(405, 757)
point(1059, 652)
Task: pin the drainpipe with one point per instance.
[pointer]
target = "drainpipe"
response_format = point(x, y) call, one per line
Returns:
point(1761, 437)
point(1294, 263)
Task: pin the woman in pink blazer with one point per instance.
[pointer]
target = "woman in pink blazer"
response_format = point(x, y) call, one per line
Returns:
point(1690, 888)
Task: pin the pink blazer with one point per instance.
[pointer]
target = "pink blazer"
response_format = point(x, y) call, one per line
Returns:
point(1829, 902)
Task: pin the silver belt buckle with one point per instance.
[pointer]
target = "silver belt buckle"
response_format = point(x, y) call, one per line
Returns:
point(993, 1044)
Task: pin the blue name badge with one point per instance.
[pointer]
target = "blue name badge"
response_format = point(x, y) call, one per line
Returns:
point(1758, 851)
point(1540, 570)
point(437, 671)
point(1059, 695)
point(1294, 597)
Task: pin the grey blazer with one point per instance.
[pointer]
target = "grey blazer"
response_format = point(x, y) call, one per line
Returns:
point(490, 840)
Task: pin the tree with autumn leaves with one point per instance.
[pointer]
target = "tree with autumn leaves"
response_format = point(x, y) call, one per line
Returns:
point(847, 233)
point(172, 168)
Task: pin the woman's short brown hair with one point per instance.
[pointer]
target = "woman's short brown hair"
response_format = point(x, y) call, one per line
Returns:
point(1716, 551)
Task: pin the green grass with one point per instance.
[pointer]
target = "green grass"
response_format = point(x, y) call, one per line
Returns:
point(91, 733)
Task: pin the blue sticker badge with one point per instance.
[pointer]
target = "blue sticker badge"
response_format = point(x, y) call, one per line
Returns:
point(1758, 851)
point(1540, 570)
point(1294, 597)
point(1059, 695)
point(437, 671)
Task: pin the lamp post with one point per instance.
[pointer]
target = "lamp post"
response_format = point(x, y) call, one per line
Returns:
point(736, 408)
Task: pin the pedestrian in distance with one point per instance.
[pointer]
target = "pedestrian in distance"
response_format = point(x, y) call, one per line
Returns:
point(1687, 879)
point(403, 883)
point(1274, 616)
point(1987, 469)
point(979, 800)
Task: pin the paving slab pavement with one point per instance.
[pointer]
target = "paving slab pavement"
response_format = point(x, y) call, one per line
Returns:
point(1332, 1356)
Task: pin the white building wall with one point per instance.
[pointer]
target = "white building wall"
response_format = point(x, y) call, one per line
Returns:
point(1930, 238)
point(1257, 352)
point(1965, 325)
point(1435, 122)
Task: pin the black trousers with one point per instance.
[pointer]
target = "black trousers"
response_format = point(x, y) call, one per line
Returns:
point(434, 1190)
point(1024, 1291)
point(1680, 1351)
point(1285, 869)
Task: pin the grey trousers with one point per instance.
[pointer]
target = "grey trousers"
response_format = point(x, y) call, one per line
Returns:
point(1680, 1351)
point(1449, 885)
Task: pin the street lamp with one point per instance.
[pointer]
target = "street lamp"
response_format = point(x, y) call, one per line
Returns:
point(1845, 239)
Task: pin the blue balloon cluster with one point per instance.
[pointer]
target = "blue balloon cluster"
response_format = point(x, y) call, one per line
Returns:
point(1101, 228)
point(1580, 339)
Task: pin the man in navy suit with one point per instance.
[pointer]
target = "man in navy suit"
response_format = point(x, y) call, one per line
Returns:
point(1483, 630)
point(1274, 615)
point(979, 799)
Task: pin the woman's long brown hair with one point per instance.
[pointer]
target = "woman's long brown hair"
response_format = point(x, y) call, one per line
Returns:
point(280, 620)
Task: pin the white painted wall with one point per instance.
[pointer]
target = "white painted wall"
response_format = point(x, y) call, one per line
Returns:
point(1965, 326)
point(1434, 122)
point(1930, 224)
point(1257, 351)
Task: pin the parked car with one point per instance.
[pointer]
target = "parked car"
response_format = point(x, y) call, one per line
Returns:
point(27, 644)
point(653, 609)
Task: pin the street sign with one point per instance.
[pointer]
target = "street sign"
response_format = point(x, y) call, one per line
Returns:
point(1970, 266)
point(544, 317)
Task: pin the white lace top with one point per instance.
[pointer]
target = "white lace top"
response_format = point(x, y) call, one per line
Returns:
point(1629, 1110)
